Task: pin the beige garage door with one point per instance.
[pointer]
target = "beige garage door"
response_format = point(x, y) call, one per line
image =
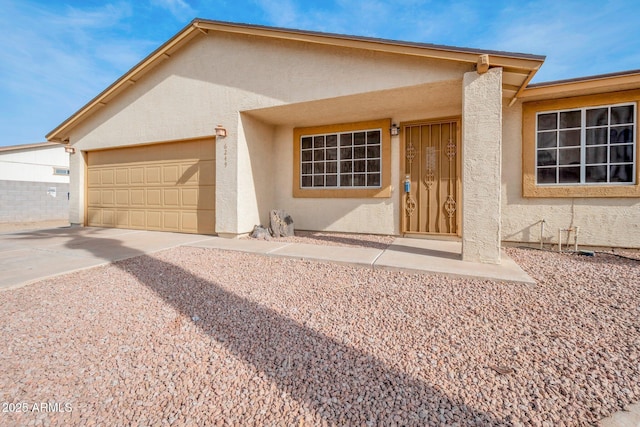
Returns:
point(166, 187)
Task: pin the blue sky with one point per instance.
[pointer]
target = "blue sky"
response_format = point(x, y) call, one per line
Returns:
point(57, 55)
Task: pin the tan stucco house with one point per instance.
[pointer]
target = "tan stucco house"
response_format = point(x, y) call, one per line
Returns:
point(356, 134)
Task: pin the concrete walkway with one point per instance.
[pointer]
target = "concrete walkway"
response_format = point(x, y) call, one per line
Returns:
point(630, 417)
point(404, 254)
point(30, 256)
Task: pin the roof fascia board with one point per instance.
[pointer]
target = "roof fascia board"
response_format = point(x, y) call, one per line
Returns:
point(382, 45)
point(591, 83)
point(129, 78)
point(520, 91)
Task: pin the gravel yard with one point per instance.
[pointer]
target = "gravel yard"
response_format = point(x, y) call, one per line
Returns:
point(195, 336)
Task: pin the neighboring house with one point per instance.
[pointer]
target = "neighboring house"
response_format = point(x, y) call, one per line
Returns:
point(34, 182)
point(356, 134)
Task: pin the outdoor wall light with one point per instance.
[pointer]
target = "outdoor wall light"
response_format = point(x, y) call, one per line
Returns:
point(395, 130)
point(221, 132)
point(69, 150)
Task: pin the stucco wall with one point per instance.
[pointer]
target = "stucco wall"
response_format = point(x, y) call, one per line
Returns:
point(377, 216)
point(481, 157)
point(34, 164)
point(216, 77)
point(611, 222)
point(257, 165)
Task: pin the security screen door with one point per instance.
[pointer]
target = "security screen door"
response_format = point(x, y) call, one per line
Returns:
point(431, 165)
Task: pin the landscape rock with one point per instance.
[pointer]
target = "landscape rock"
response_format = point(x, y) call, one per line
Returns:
point(260, 232)
point(281, 223)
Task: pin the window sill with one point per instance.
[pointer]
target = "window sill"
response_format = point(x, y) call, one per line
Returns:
point(343, 193)
point(531, 190)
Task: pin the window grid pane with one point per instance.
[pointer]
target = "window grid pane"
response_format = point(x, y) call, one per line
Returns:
point(593, 145)
point(341, 160)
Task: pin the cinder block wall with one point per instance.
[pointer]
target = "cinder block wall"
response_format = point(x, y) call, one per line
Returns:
point(22, 201)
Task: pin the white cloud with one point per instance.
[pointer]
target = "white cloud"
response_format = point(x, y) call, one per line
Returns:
point(282, 13)
point(54, 62)
point(180, 9)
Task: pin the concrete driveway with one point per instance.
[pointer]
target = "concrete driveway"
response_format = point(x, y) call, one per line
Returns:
point(34, 255)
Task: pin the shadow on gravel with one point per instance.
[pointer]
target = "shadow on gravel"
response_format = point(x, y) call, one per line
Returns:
point(339, 383)
point(307, 365)
point(424, 251)
point(342, 240)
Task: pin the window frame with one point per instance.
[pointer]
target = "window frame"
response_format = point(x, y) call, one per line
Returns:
point(530, 110)
point(583, 145)
point(339, 147)
point(383, 190)
point(56, 171)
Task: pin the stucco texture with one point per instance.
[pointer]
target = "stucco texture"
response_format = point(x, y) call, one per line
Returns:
point(609, 222)
point(481, 154)
point(224, 79)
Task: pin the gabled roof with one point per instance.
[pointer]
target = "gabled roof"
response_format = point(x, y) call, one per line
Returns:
point(519, 68)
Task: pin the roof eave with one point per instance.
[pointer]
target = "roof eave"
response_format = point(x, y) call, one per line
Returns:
point(498, 58)
point(602, 82)
point(129, 78)
point(513, 61)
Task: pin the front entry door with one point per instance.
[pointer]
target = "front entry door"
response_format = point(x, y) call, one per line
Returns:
point(432, 167)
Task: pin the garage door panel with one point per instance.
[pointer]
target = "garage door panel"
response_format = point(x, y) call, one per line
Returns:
point(171, 197)
point(167, 187)
point(152, 175)
point(154, 197)
point(93, 177)
point(189, 198)
point(94, 197)
point(122, 176)
point(188, 174)
point(170, 174)
point(171, 220)
point(106, 176)
point(122, 198)
point(137, 197)
point(108, 218)
point(137, 219)
point(94, 217)
point(122, 218)
point(154, 220)
point(136, 176)
point(107, 197)
point(189, 221)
